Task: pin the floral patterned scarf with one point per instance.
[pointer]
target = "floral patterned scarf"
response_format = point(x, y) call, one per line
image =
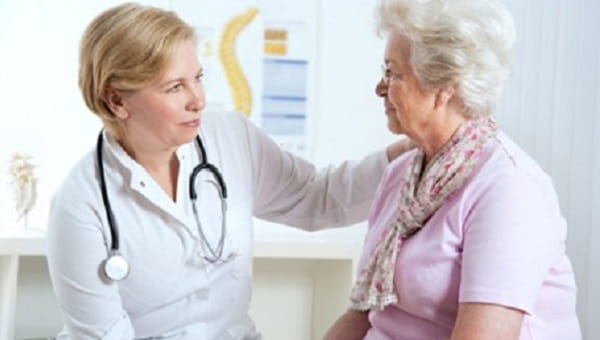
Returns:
point(423, 193)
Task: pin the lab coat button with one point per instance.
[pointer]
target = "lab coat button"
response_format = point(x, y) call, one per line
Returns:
point(201, 294)
point(142, 184)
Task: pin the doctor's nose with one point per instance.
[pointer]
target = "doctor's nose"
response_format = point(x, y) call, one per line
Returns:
point(196, 100)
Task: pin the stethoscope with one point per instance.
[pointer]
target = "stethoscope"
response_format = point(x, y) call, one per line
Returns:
point(115, 266)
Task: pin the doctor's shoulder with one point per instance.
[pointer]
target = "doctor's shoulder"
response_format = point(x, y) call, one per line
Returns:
point(216, 123)
point(229, 132)
point(78, 194)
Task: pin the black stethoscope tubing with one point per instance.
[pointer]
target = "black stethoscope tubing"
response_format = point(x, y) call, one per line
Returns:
point(204, 164)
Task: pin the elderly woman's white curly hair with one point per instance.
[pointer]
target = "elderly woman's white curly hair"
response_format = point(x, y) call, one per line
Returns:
point(462, 43)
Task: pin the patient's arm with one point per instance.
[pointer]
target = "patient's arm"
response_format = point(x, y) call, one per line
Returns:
point(352, 325)
point(482, 321)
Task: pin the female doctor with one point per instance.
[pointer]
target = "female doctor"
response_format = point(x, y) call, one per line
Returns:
point(150, 235)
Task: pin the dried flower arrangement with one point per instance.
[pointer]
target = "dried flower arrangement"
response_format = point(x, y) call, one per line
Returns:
point(23, 183)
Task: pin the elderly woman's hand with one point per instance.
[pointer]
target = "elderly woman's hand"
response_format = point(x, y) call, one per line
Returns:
point(396, 149)
point(352, 325)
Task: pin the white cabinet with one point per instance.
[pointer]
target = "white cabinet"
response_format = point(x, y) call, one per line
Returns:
point(301, 283)
point(27, 307)
point(8, 293)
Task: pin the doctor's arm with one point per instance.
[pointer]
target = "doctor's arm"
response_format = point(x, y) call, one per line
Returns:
point(290, 190)
point(91, 306)
point(398, 148)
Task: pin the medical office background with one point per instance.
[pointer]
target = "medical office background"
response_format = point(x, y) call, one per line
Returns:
point(551, 107)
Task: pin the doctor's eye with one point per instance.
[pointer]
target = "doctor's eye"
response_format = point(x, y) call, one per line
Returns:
point(175, 88)
point(199, 77)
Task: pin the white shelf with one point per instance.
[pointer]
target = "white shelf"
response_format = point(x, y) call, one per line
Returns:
point(20, 241)
point(287, 244)
point(318, 250)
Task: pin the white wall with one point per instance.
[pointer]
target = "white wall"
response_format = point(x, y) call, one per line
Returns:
point(550, 106)
point(551, 109)
point(42, 110)
point(350, 120)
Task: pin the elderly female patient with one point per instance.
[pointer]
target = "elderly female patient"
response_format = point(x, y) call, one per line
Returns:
point(466, 239)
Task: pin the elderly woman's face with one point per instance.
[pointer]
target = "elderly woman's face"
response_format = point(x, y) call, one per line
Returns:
point(166, 113)
point(407, 106)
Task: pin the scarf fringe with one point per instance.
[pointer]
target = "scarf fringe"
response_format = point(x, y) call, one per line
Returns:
point(374, 302)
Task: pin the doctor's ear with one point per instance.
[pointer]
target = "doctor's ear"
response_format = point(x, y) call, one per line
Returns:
point(114, 100)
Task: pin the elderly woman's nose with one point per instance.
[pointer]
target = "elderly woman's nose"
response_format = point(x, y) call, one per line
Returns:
point(381, 88)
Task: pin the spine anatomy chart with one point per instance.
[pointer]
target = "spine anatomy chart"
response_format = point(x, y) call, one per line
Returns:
point(238, 84)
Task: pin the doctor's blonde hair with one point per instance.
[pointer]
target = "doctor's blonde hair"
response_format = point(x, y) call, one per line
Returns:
point(126, 47)
point(462, 43)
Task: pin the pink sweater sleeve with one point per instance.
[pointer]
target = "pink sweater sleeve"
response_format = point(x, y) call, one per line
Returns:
point(511, 239)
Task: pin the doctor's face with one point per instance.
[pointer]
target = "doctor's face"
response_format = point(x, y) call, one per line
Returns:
point(166, 114)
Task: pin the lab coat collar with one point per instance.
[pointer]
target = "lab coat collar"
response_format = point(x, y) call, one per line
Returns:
point(140, 181)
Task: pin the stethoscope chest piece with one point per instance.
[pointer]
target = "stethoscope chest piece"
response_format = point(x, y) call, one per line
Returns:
point(116, 267)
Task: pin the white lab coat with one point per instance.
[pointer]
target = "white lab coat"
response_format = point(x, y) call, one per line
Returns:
point(171, 292)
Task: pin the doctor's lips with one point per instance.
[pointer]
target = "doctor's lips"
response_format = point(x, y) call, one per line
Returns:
point(192, 123)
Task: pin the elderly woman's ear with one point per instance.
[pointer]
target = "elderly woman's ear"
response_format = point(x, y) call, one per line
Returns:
point(445, 96)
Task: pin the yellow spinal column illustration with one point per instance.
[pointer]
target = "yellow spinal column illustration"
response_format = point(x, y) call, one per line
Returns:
point(238, 84)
